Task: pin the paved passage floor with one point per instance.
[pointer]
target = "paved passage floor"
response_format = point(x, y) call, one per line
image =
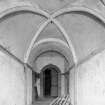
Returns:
point(46, 101)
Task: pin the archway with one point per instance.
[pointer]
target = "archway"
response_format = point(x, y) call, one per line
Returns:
point(50, 81)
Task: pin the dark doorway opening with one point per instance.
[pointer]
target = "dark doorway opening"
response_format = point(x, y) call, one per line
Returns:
point(47, 83)
point(50, 81)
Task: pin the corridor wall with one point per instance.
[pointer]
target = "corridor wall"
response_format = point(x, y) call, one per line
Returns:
point(90, 81)
point(11, 81)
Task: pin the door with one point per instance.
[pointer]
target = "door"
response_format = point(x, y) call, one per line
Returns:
point(54, 83)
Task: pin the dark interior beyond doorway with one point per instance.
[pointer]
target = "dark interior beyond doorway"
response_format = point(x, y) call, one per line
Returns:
point(50, 82)
point(47, 83)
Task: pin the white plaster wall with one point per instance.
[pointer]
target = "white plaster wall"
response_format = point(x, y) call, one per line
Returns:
point(29, 86)
point(90, 82)
point(49, 58)
point(11, 81)
point(72, 85)
point(43, 61)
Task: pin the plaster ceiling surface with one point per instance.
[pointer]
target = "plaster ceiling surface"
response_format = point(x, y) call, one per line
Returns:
point(51, 46)
point(52, 6)
point(17, 31)
point(85, 31)
point(51, 31)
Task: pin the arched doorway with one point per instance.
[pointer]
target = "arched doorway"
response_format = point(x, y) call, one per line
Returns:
point(51, 81)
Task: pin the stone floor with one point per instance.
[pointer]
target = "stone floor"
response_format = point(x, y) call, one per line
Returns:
point(46, 101)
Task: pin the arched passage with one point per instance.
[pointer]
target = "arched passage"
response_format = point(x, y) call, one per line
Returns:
point(54, 59)
point(50, 81)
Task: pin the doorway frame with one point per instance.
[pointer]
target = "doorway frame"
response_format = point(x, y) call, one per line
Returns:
point(42, 81)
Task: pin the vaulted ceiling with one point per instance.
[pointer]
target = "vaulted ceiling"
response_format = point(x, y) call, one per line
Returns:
point(74, 28)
